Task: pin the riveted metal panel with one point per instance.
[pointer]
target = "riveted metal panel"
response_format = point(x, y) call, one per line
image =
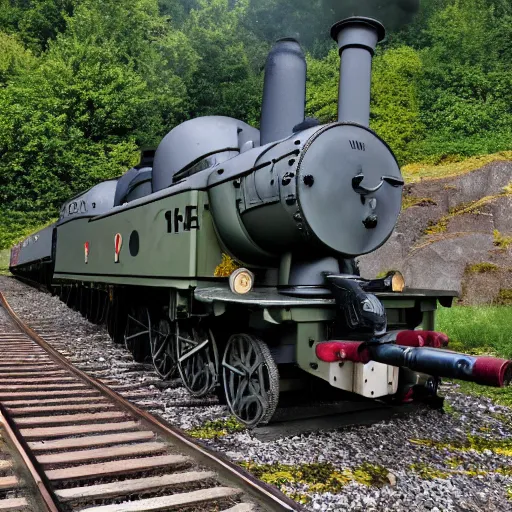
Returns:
point(35, 247)
point(168, 233)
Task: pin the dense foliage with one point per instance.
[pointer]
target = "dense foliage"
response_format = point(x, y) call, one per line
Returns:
point(85, 83)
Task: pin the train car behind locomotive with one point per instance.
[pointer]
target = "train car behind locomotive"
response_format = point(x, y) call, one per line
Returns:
point(229, 259)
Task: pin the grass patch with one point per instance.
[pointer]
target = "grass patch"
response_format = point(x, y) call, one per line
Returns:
point(420, 171)
point(479, 330)
point(504, 297)
point(217, 428)
point(410, 201)
point(482, 268)
point(4, 261)
point(435, 228)
point(318, 477)
point(501, 241)
point(473, 207)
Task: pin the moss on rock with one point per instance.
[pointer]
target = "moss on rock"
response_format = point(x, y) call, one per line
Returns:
point(472, 442)
point(410, 201)
point(482, 268)
point(428, 472)
point(501, 241)
point(504, 297)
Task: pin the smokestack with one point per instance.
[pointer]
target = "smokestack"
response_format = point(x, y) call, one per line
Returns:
point(284, 91)
point(357, 38)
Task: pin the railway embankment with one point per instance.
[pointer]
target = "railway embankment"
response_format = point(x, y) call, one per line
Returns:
point(454, 233)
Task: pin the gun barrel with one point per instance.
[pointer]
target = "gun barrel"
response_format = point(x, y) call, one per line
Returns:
point(487, 371)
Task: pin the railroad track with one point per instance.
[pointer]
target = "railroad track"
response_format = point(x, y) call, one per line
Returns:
point(90, 449)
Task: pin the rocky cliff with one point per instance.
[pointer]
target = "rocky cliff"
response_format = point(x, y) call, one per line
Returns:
point(454, 233)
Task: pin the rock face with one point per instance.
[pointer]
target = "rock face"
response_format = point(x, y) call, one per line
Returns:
point(454, 236)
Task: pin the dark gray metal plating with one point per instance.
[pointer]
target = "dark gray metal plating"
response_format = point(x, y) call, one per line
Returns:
point(357, 38)
point(284, 93)
point(359, 20)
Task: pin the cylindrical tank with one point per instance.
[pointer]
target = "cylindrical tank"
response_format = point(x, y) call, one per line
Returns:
point(338, 193)
point(357, 39)
point(284, 92)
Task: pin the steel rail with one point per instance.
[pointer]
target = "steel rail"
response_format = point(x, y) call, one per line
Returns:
point(39, 482)
point(269, 497)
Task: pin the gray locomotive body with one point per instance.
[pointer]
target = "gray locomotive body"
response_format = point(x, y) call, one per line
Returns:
point(228, 258)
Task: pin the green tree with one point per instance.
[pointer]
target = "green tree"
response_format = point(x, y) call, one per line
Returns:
point(395, 113)
point(225, 82)
point(466, 93)
point(322, 87)
point(13, 58)
point(36, 22)
point(109, 84)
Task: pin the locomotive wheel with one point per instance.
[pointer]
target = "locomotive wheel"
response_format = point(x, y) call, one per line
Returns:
point(163, 349)
point(251, 379)
point(197, 358)
point(137, 336)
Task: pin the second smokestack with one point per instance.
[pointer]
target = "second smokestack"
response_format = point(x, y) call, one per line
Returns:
point(284, 92)
point(357, 38)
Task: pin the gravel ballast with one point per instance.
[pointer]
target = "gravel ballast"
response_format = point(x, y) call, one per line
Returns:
point(426, 458)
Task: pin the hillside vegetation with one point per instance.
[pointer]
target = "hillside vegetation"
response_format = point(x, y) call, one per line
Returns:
point(85, 83)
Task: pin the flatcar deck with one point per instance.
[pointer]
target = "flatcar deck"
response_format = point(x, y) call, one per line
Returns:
point(95, 451)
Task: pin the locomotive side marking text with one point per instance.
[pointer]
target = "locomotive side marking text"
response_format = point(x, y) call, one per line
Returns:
point(176, 222)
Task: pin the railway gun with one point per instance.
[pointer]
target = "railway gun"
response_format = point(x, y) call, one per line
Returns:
point(228, 255)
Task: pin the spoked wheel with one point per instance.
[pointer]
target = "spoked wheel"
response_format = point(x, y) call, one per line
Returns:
point(137, 334)
point(197, 358)
point(251, 379)
point(163, 349)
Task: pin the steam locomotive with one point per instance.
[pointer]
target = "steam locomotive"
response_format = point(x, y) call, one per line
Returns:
point(227, 256)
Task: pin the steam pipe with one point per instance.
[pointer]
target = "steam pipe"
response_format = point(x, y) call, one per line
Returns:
point(357, 38)
point(284, 91)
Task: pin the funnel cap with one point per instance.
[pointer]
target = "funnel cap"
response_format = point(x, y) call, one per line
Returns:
point(359, 20)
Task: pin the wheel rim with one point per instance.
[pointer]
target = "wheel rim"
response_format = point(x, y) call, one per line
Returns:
point(251, 379)
point(197, 359)
point(137, 333)
point(163, 349)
